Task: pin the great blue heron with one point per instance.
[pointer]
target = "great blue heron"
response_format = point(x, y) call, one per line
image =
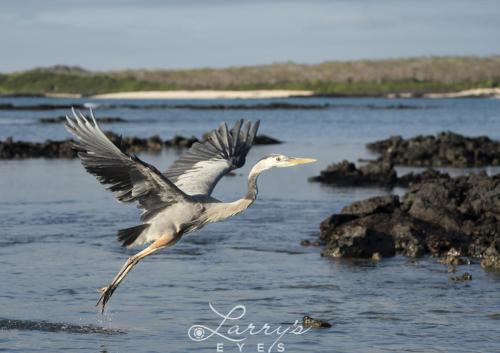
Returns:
point(178, 201)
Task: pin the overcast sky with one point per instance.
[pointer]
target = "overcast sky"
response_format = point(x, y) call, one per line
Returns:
point(117, 34)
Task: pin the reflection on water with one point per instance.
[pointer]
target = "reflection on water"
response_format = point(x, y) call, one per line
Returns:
point(58, 245)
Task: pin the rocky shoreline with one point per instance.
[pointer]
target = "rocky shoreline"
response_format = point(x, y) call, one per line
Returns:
point(444, 149)
point(101, 120)
point(10, 149)
point(454, 219)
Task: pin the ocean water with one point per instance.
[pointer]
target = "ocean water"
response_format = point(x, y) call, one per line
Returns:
point(58, 245)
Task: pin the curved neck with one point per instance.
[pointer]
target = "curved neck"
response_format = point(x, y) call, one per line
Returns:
point(233, 208)
point(252, 188)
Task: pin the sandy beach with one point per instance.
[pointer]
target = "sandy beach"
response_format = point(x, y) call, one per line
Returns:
point(256, 94)
point(478, 92)
point(209, 94)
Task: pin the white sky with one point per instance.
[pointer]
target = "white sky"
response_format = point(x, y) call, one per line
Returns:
point(117, 34)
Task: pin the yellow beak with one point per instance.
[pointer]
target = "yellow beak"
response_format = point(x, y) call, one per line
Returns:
point(297, 161)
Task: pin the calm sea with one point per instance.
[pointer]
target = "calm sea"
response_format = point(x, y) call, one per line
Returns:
point(58, 245)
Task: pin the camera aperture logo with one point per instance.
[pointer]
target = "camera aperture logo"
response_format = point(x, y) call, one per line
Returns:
point(270, 339)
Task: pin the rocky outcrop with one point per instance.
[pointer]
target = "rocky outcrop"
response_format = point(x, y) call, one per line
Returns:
point(415, 178)
point(445, 149)
point(181, 141)
point(186, 142)
point(40, 107)
point(446, 217)
point(374, 173)
point(153, 144)
point(266, 140)
point(346, 173)
point(10, 149)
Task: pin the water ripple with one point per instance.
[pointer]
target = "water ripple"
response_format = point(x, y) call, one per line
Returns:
point(28, 325)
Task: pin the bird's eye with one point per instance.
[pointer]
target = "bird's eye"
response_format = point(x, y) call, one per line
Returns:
point(278, 159)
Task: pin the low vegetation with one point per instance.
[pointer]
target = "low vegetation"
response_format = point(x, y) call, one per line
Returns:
point(350, 78)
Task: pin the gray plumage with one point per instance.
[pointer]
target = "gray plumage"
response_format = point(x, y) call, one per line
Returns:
point(199, 169)
point(178, 201)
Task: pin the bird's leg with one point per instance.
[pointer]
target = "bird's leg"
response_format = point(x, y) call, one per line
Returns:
point(107, 292)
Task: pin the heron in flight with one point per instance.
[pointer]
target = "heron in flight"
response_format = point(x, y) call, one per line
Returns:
point(178, 201)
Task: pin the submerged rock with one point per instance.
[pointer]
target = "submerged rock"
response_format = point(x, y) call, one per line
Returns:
point(444, 149)
point(307, 242)
point(446, 217)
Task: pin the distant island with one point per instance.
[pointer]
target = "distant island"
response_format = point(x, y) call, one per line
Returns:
point(410, 77)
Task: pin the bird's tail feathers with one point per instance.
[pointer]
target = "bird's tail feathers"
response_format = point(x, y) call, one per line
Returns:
point(127, 236)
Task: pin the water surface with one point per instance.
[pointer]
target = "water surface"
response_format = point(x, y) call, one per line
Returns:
point(58, 245)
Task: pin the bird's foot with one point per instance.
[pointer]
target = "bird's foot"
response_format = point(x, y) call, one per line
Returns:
point(106, 293)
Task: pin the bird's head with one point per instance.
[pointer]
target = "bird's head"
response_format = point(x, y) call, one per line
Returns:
point(280, 161)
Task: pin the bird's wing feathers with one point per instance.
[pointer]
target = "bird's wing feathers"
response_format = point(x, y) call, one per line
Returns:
point(204, 164)
point(130, 178)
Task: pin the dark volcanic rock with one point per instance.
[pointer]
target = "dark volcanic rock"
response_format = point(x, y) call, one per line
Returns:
point(374, 173)
point(10, 106)
point(492, 255)
point(346, 174)
point(181, 142)
point(446, 217)
point(10, 149)
point(360, 240)
point(445, 149)
point(266, 140)
point(105, 120)
point(415, 178)
point(384, 204)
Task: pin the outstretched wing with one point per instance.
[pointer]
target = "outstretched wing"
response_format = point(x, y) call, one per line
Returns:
point(130, 178)
point(204, 164)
